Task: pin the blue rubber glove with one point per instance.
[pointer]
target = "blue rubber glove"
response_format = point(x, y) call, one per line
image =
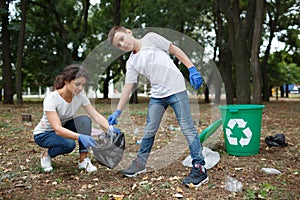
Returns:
point(112, 119)
point(113, 129)
point(87, 140)
point(195, 78)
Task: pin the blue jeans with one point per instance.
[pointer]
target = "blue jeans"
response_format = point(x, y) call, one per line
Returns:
point(156, 109)
point(58, 145)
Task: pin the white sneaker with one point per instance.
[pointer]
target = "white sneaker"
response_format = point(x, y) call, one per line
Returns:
point(87, 165)
point(46, 164)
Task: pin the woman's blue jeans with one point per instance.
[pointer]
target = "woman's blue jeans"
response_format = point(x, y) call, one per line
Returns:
point(156, 109)
point(58, 145)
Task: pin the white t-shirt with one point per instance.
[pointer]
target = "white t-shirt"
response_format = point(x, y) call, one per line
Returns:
point(66, 111)
point(154, 62)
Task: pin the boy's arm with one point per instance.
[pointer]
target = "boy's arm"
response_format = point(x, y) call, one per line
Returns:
point(180, 55)
point(126, 91)
point(195, 76)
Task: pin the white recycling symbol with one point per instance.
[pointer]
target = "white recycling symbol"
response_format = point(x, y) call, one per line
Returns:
point(242, 125)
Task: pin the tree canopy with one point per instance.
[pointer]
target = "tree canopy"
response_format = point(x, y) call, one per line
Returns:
point(57, 33)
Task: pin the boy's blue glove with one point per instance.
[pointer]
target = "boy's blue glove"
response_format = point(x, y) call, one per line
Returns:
point(112, 119)
point(113, 129)
point(87, 140)
point(195, 78)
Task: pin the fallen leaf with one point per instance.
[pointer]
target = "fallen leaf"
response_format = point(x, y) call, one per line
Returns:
point(118, 196)
point(144, 182)
point(174, 178)
point(177, 195)
point(238, 168)
point(134, 186)
point(22, 167)
point(179, 190)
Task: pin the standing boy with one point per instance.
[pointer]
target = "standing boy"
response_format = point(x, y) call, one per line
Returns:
point(149, 57)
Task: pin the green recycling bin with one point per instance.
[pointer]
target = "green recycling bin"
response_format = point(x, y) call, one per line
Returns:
point(241, 127)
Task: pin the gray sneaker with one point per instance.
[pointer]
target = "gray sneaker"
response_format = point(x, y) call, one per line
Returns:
point(197, 177)
point(135, 169)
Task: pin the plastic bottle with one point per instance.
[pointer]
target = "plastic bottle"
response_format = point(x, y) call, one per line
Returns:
point(233, 185)
point(135, 133)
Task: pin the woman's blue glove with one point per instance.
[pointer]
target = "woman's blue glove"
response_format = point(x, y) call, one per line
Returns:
point(112, 119)
point(87, 140)
point(195, 78)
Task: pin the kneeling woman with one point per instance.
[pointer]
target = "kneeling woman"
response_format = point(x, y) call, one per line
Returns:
point(59, 128)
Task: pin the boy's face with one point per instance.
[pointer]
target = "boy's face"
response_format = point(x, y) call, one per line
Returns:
point(124, 41)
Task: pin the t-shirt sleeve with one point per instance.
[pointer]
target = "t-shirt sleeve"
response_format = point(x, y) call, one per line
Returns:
point(49, 103)
point(131, 75)
point(84, 99)
point(155, 40)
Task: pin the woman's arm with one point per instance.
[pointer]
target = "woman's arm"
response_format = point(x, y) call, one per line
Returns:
point(58, 128)
point(180, 55)
point(100, 119)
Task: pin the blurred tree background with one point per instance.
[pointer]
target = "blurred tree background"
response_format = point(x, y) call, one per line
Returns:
point(40, 37)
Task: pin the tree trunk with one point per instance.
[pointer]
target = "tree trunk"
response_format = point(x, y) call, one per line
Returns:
point(206, 94)
point(242, 76)
point(286, 90)
point(226, 71)
point(239, 37)
point(63, 33)
point(20, 52)
point(106, 83)
point(134, 97)
point(7, 70)
point(264, 66)
point(282, 91)
point(256, 40)
point(82, 28)
point(225, 58)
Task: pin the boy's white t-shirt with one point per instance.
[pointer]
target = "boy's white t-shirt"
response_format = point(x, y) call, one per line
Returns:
point(66, 111)
point(154, 62)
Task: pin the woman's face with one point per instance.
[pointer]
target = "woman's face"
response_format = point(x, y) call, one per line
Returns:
point(76, 85)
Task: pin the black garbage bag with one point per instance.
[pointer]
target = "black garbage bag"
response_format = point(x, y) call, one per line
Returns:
point(110, 148)
point(278, 140)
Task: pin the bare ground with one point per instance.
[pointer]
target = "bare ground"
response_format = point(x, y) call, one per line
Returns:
point(22, 178)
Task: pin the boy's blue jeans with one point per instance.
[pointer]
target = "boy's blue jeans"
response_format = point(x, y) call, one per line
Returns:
point(156, 109)
point(58, 145)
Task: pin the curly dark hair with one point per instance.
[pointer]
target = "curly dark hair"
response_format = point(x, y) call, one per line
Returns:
point(69, 73)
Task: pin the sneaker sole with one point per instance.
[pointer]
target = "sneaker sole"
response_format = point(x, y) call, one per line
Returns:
point(134, 175)
point(191, 185)
point(48, 169)
point(90, 171)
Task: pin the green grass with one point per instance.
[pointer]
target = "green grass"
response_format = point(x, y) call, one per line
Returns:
point(142, 113)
